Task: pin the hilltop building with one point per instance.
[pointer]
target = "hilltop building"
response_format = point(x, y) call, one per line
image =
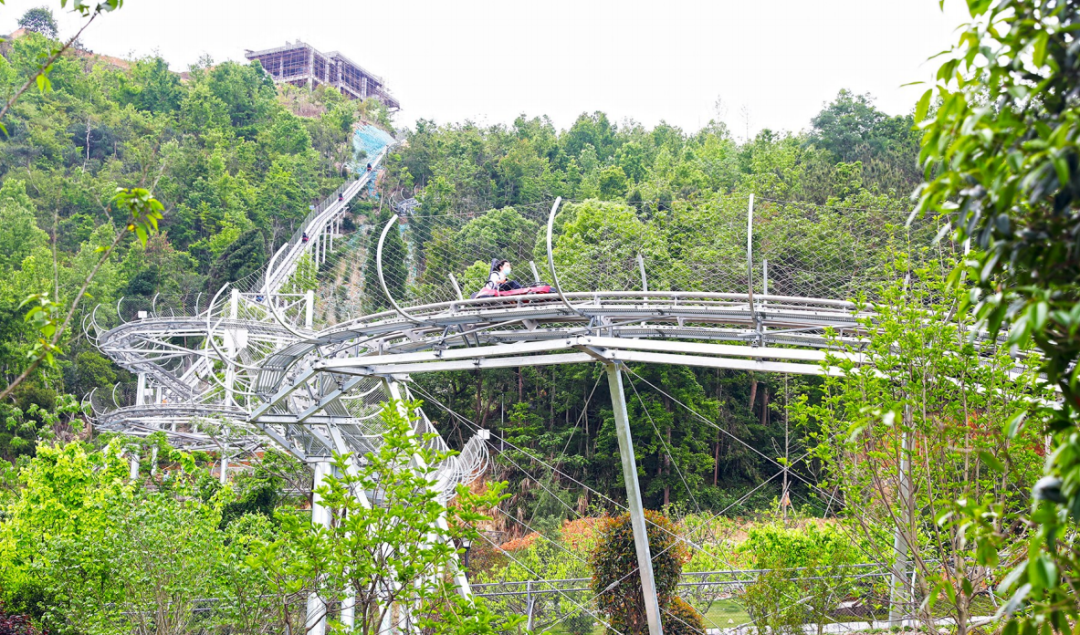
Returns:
point(301, 64)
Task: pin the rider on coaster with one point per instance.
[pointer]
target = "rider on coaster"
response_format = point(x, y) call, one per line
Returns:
point(500, 274)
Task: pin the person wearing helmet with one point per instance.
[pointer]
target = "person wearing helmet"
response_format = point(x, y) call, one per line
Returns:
point(500, 276)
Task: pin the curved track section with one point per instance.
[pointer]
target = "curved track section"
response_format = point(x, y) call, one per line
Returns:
point(706, 329)
point(195, 365)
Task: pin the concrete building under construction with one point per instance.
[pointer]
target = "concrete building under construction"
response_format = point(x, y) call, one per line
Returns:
point(301, 64)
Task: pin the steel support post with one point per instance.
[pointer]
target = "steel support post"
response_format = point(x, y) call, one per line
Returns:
point(140, 390)
point(529, 605)
point(393, 391)
point(320, 516)
point(230, 349)
point(134, 462)
point(899, 591)
point(348, 605)
point(633, 498)
point(224, 466)
point(309, 308)
point(750, 250)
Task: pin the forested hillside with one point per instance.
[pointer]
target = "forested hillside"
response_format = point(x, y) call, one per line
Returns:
point(220, 147)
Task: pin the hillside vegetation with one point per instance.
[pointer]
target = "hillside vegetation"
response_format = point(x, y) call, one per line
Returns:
point(222, 150)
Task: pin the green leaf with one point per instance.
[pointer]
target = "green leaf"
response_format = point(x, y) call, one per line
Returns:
point(923, 106)
point(1039, 54)
point(992, 461)
point(1016, 422)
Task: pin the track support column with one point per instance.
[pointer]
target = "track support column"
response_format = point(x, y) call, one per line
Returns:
point(140, 390)
point(900, 592)
point(320, 516)
point(633, 498)
point(464, 589)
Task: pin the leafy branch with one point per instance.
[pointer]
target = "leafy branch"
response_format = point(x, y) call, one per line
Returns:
point(44, 310)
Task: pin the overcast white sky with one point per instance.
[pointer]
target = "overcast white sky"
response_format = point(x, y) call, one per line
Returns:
point(489, 61)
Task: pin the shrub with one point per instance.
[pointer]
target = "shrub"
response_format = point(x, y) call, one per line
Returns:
point(18, 625)
point(682, 619)
point(615, 561)
point(806, 576)
point(772, 602)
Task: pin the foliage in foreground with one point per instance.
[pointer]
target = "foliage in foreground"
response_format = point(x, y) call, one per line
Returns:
point(85, 550)
point(918, 432)
point(1001, 159)
point(393, 544)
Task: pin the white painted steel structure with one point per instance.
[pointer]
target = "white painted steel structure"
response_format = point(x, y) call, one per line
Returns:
point(194, 363)
point(260, 365)
point(305, 386)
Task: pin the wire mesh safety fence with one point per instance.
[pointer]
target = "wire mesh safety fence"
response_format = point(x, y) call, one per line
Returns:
point(730, 599)
point(723, 245)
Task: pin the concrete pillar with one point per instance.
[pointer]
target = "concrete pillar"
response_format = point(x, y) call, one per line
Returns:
point(633, 499)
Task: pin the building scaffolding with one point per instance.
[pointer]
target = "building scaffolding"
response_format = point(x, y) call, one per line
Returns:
point(301, 64)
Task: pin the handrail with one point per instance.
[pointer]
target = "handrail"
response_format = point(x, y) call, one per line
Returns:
point(272, 280)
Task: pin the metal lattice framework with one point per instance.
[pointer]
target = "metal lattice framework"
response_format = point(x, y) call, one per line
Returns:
point(196, 361)
point(258, 364)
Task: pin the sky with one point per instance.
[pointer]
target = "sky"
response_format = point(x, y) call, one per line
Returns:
point(769, 65)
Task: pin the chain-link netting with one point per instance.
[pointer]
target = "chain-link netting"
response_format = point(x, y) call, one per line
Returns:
point(794, 249)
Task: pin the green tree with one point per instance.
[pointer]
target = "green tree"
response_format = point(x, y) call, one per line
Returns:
point(151, 86)
point(40, 20)
point(617, 584)
point(922, 436)
point(241, 258)
point(21, 235)
point(1003, 168)
point(612, 183)
point(394, 550)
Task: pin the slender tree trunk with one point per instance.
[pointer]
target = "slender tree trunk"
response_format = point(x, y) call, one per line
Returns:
point(765, 406)
point(479, 392)
point(665, 459)
point(716, 460)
